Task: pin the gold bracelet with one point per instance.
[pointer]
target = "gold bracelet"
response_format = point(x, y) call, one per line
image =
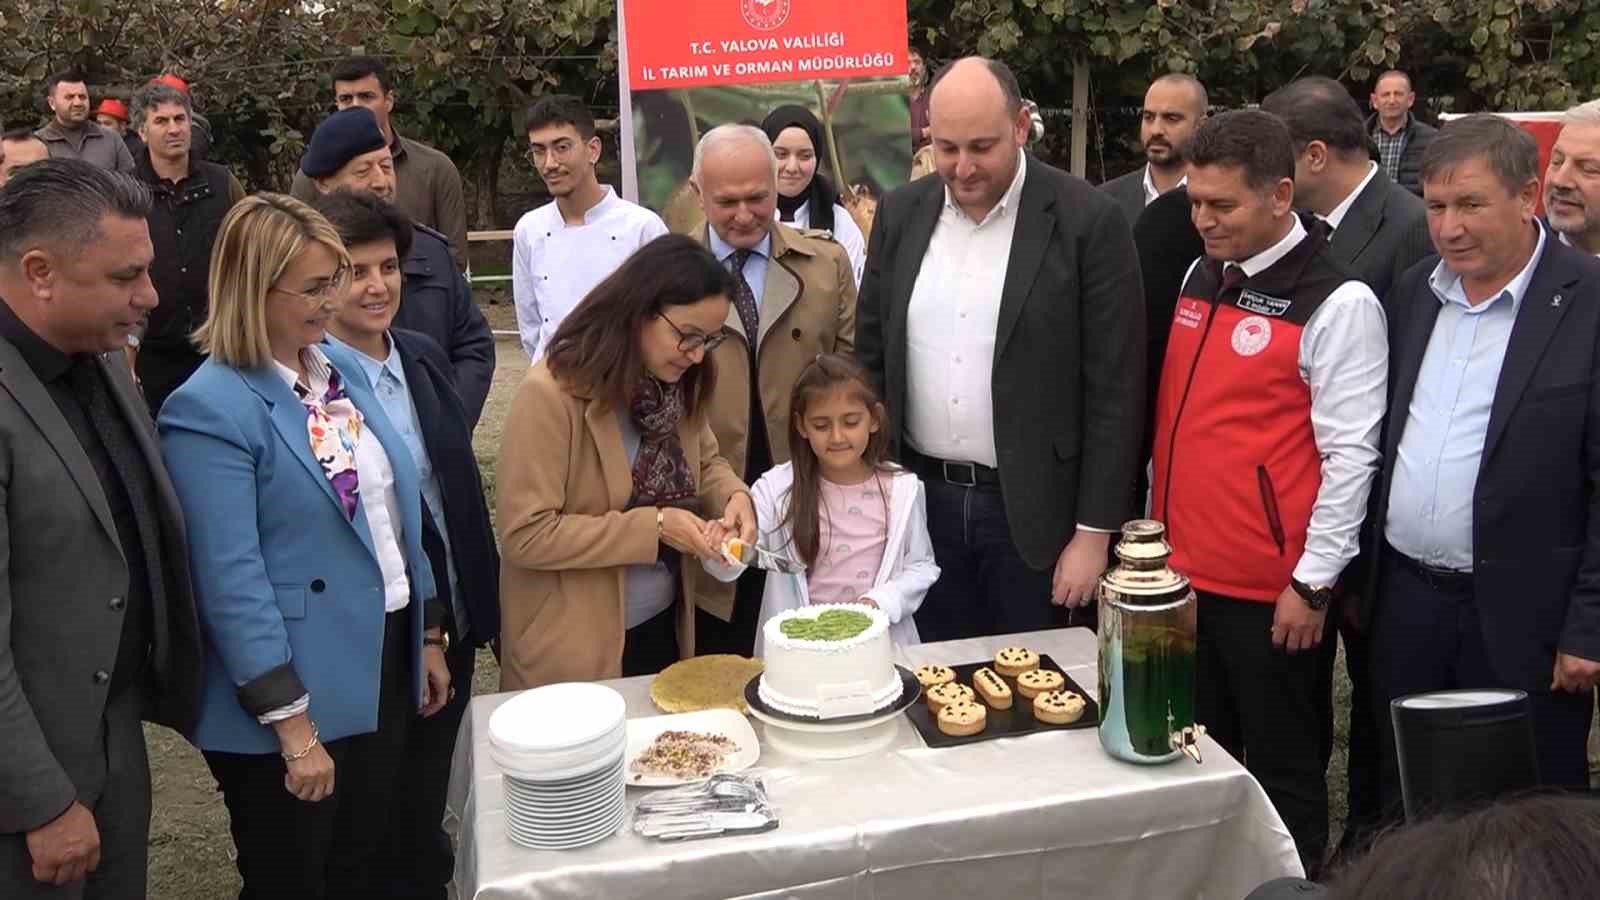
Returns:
point(661, 523)
point(292, 757)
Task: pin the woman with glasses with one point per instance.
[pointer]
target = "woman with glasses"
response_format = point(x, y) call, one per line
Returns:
point(316, 600)
point(610, 486)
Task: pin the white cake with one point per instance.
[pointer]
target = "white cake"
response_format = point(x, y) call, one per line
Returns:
point(826, 677)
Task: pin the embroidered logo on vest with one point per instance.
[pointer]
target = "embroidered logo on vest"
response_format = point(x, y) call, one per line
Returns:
point(1257, 302)
point(1251, 335)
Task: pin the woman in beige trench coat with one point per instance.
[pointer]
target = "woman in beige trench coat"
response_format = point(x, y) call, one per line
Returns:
point(609, 485)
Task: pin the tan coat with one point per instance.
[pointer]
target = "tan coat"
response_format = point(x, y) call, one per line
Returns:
point(565, 539)
point(807, 307)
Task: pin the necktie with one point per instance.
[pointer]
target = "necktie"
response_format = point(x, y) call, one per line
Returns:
point(744, 300)
point(1232, 277)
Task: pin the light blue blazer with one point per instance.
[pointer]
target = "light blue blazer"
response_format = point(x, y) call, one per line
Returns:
point(283, 580)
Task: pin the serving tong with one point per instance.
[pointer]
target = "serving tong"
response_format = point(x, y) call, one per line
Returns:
point(723, 804)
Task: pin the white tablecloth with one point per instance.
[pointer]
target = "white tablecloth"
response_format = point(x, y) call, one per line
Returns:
point(1042, 815)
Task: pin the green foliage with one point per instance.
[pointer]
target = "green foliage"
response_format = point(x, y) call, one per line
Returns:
point(464, 68)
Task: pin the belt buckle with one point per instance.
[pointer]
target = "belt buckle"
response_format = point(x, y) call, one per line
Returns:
point(972, 473)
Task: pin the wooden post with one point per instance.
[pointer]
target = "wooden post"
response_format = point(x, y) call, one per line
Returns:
point(846, 192)
point(1080, 116)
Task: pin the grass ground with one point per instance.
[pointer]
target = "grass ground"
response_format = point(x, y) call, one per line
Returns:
point(191, 852)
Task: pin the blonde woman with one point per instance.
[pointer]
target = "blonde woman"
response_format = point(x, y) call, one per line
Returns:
point(316, 600)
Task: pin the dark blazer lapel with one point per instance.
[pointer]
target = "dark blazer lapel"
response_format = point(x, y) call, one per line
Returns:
point(913, 247)
point(1540, 314)
point(289, 420)
point(35, 400)
point(1034, 230)
point(1361, 222)
point(1408, 364)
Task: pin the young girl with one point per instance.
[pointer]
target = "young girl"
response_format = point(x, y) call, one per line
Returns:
point(856, 521)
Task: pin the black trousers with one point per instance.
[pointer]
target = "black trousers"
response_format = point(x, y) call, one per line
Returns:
point(121, 808)
point(985, 587)
point(1261, 704)
point(417, 855)
point(651, 645)
point(310, 851)
point(1363, 758)
point(1426, 636)
point(712, 635)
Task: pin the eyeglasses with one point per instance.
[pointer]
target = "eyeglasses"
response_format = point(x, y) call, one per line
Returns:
point(559, 151)
point(689, 343)
point(331, 291)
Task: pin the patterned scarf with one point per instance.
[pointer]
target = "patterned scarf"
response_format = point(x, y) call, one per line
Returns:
point(335, 427)
point(661, 474)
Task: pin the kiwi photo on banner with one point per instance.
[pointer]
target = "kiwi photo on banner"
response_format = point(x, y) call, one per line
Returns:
point(689, 66)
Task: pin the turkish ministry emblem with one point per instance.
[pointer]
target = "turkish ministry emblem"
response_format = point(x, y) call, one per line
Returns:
point(765, 15)
point(1252, 335)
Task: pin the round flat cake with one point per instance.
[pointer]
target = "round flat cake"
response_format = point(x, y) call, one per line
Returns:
point(828, 661)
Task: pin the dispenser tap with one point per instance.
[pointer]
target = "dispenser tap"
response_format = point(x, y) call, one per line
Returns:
point(1188, 741)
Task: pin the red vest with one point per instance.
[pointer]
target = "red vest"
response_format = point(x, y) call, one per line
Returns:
point(1236, 466)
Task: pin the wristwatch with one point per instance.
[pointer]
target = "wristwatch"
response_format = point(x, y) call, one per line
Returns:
point(1317, 598)
point(442, 641)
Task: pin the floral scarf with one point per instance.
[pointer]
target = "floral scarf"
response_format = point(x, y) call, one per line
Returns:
point(335, 427)
point(661, 474)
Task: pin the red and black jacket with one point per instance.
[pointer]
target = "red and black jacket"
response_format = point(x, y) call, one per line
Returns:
point(1236, 464)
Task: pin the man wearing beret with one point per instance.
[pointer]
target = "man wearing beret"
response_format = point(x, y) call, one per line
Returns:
point(348, 150)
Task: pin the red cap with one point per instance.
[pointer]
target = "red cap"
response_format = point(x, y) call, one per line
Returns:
point(114, 108)
point(171, 80)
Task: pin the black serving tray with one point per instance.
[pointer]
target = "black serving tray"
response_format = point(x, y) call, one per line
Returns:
point(1013, 722)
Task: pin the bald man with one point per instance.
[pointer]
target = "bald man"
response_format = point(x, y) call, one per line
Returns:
point(1174, 108)
point(797, 299)
point(1003, 314)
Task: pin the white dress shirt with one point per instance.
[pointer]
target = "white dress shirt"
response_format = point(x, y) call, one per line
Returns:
point(1151, 192)
point(1344, 360)
point(845, 231)
point(1436, 470)
point(375, 485)
point(554, 265)
point(950, 330)
point(1334, 217)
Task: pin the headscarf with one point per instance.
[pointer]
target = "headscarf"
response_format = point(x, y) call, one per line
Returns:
point(820, 192)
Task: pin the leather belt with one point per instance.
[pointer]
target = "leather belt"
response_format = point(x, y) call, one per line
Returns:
point(950, 471)
point(1433, 575)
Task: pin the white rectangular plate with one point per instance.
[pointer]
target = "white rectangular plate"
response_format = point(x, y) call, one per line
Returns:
point(727, 722)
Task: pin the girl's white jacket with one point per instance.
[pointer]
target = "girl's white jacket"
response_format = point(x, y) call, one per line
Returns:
point(903, 579)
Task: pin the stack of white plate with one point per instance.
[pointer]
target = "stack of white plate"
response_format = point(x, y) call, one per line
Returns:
point(561, 749)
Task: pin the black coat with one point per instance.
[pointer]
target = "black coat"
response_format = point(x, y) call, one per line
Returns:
point(1536, 508)
point(1069, 367)
point(448, 440)
point(1418, 136)
point(1384, 233)
point(437, 301)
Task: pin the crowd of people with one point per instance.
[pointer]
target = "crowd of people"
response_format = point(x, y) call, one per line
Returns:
point(1345, 360)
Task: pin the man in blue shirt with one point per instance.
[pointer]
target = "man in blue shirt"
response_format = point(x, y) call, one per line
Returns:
point(411, 377)
point(1488, 525)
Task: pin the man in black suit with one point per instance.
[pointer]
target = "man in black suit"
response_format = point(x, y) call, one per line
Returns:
point(1174, 108)
point(1487, 558)
point(411, 376)
point(1379, 231)
point(97, 618)
point(1001, 310)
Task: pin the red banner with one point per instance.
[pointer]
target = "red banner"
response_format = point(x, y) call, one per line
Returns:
point(693, 43)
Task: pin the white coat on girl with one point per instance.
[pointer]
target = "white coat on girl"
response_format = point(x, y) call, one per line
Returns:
point(903, 579)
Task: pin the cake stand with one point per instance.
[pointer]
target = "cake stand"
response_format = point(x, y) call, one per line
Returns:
point(810, 738)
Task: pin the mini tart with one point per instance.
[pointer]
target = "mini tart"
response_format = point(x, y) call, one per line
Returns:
point(963, 718)
point(941, 695)
point(1013, 661)
point(930, 675)
point(1040, 681)
point(1058, 707)
point(992, 688)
